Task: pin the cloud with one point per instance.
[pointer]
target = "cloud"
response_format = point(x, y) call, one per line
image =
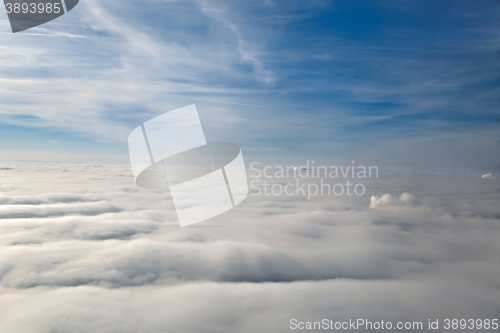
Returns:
point(83, 249)
point(489, 176)
point(245, 308)
point(387, 201)
point(254, 268)
point(250, 67)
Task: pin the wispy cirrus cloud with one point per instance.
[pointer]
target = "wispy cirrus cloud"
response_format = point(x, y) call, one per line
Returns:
point(252, 66)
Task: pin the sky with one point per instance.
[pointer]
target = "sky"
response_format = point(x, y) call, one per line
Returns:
point(406, 83)
point(409, 86)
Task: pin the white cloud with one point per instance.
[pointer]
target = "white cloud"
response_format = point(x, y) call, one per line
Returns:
point(489, 176)
point(388, 201)
point(240, 308)
point(252, 269)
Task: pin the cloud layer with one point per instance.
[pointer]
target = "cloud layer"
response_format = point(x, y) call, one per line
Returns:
point(83, 249)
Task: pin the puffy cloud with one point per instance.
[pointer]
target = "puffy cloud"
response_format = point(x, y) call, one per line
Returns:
point(388, 201)
point(489, 176)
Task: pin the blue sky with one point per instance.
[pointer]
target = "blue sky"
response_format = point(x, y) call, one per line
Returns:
point(388, 82)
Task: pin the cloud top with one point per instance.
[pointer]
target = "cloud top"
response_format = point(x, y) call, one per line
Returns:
point(387, 201)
